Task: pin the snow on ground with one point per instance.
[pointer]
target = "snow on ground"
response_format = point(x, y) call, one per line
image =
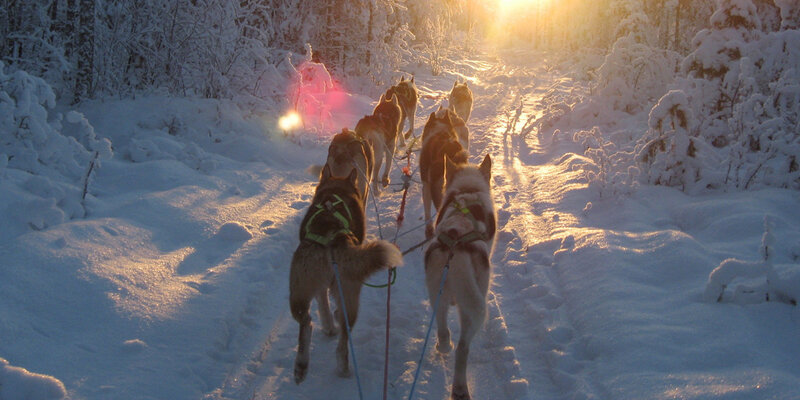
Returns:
point(174, 285)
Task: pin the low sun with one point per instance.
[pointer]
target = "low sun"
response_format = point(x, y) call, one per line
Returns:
point(511, 4)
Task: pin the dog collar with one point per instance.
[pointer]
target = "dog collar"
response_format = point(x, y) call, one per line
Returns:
point(329, 206)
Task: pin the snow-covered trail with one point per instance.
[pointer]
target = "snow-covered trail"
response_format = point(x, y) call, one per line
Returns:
point(527, 348)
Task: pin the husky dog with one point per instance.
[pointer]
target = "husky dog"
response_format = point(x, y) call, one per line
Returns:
point(347, 151)
point(461, 100)
point(458, 124)
point(333, 231)
point(439, 139)
point(407, 94)
point(465, 229)
point(389, 111)
point(373, 129)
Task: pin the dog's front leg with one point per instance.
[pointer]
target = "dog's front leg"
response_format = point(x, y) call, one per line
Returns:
point(410, 124)
point(389, 158)
point(376, 170)
point(426, 206)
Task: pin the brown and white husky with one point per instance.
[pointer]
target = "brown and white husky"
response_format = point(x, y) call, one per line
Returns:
point(407, 94)
point(439, 139)
point(460, 100)
point(333, 231)
point(465, 230)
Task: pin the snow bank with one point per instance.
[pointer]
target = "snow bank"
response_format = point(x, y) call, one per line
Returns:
point(20, 384)
point(45, 159)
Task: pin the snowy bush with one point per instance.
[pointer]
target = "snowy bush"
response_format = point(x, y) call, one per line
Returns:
point(49, 155)
point(38, 141)
point(613, 173)
point(670, 153)
point(634, 74)
point(772, 288)
point(730, 121)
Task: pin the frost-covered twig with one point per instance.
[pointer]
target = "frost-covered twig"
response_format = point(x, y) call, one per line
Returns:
point(87, 177)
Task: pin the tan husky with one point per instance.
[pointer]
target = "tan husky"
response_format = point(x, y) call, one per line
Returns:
point(460, 100)
point(349, 151)
point(465, 229)
point(407, 94)
point(333, 231)
point(439, 138)
point(381, 131)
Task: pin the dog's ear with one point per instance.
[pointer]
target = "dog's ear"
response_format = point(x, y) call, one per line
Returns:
point(383, 97)
point(439, 109)
point(449, 120)
point(486, 168)
point(455, 84)
point(353, 177)
point(403, 78)
point(432, 117)
point(395, 100)
point(326, 173)
point(412, 78)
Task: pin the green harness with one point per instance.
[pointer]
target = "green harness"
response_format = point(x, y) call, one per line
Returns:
point(329, 207)
point(468, 237)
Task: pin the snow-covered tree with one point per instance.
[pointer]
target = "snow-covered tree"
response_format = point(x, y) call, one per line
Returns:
point(668, 153)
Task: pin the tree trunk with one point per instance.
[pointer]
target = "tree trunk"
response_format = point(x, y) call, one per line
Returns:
point(85, 50)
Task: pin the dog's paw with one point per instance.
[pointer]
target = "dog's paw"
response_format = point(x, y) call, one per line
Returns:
point(331, 331)
point(344, 372)
point(428, 231)
point(460, 392)
point(300, 370)
point(385, 182)
point(443, 346)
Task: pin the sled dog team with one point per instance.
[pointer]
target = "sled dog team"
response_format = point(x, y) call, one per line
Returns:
point(333, 257)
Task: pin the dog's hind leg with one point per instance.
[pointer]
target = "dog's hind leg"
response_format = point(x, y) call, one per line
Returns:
point(300, 312)
point(443, 343)
point(325, 315)
point(472, 312)
point(351, 291)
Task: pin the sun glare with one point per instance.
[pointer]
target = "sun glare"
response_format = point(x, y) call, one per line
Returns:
point(512, 4)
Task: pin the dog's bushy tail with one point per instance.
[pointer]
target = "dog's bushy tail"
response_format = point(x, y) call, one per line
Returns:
point(361, 261)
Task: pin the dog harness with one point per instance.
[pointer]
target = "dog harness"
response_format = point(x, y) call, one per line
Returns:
point(329, 207)
point(446, 239)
